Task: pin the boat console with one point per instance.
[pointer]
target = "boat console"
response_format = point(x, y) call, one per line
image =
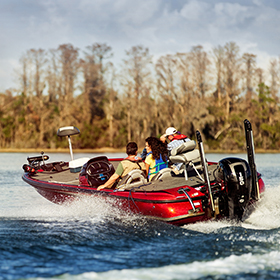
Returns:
point(96, 171)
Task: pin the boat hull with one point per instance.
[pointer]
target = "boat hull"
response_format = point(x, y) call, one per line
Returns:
point(166, 206)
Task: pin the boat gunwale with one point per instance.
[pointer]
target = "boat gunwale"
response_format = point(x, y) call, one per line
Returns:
point(79, 189)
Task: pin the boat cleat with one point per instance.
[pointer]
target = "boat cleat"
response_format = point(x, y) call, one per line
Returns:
point(192, 211)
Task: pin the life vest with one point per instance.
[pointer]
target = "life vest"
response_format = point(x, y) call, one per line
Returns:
point(131, 164)
point(160, 164)
point(179, 137)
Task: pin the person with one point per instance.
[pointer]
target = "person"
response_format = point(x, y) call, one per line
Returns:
point(176, 139)
point(144, 153)
point(130, 163)
point(157, 156)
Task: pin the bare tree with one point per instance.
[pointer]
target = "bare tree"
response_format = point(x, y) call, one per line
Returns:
point(68, 62)
point(232, 76)
point(260, 76)
point(250, 65)
point(135, 79)
point(25, 74)
point(166, 70)
point(112, 104)
point(200, 63)
point(219, 56)
point(274, 71)
point(53, 76)
point(39, 61)
point(94, 70)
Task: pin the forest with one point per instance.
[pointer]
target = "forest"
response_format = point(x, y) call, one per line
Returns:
point(212, 92)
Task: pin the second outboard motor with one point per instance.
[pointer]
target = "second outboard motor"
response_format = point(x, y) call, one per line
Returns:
point(236, 174)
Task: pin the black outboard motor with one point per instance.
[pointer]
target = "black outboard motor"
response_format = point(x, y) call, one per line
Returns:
point(236, 174)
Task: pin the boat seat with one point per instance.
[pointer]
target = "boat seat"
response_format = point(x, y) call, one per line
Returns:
point(191, 161)
point(192, 156)
point(183, 148)
point(135, 177)
point(162, 174)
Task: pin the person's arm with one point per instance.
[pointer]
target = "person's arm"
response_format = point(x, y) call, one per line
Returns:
point(118, 173)
point(110, 182)
point(147, 169)
point(147, 164)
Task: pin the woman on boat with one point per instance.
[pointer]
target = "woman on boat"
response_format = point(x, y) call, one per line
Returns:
point(157, 156)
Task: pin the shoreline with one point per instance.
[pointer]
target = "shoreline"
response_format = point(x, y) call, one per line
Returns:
point(123, 150)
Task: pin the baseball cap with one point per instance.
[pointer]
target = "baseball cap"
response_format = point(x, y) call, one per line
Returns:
point(170, 131)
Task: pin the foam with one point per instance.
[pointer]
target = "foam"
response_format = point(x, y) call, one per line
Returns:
point(232, 265)
point(266, 214)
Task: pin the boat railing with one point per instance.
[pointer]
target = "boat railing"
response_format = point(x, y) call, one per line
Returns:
point(185, 192)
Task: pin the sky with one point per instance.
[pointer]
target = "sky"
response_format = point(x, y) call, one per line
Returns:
point(163, 26)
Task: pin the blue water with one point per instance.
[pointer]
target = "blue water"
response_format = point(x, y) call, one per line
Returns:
point(91, 240)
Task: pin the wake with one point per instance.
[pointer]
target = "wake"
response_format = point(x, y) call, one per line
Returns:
point(265, 215)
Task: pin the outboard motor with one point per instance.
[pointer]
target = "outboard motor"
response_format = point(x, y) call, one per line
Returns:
point(236, 174)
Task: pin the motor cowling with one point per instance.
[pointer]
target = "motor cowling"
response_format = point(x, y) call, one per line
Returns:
point(236, 174)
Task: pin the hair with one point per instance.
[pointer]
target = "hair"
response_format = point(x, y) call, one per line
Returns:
point(158, 148)
point(131, 148)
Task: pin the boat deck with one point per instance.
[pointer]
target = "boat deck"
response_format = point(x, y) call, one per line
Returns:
point(66, 177)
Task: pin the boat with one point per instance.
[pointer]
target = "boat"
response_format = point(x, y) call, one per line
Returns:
point(203, 190)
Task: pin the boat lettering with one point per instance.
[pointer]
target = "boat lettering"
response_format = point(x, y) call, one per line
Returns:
point(241, 179)
point(102, 177)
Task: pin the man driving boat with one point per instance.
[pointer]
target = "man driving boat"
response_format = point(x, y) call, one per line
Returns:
point(128, 164)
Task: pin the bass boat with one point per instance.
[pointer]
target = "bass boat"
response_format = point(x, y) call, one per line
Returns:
point(201, 191)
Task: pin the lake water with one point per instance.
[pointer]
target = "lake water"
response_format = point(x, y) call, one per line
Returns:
point(90, 240)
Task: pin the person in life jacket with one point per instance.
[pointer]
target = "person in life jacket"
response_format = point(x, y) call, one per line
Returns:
point(176, 139)
point(128, 164)
point(157, 156)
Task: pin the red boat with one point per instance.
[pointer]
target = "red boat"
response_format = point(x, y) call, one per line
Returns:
point(201, 191)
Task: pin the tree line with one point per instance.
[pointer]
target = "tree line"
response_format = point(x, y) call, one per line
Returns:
point(209, 91)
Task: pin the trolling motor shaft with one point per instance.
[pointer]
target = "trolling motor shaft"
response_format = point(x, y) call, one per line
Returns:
point(68, 131)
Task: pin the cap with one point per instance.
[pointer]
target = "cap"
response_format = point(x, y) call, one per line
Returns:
point(170, 131)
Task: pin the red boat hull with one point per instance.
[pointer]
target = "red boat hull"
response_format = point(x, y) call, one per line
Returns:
point(167, 206)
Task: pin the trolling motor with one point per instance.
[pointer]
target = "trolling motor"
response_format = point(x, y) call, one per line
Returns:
point(35, 163)
point(68, 131)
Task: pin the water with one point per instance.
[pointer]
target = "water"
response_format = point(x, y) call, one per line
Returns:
point(90, 240)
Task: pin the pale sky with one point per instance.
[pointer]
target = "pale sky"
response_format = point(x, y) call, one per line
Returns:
point(163, 26)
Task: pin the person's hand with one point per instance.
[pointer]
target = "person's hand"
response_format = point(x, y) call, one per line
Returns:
point(162, 138)
point(101, 187)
